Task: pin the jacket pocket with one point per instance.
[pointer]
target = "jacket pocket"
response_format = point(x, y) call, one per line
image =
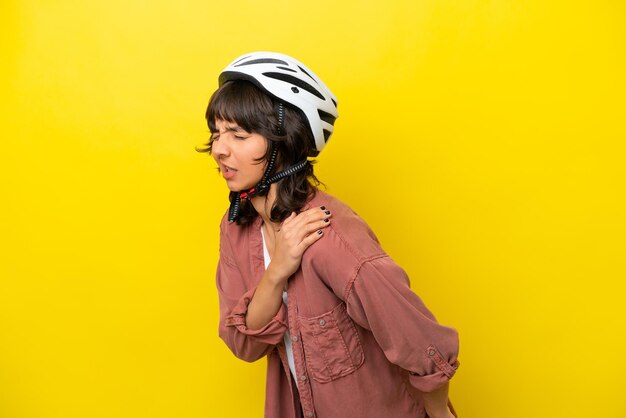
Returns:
point(332, 347)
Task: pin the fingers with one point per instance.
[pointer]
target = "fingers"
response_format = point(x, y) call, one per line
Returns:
point(311, 239)
point(312, 225)
point(297, 233)
point(289, 219)
point(307, 222)
point(296, 227)
point(310, 216)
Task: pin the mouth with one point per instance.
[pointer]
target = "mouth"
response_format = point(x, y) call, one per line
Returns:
point(227, 172)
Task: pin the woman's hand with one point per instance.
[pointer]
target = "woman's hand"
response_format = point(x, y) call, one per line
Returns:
point(446, 414)
point(297, 233)
point(436, 402)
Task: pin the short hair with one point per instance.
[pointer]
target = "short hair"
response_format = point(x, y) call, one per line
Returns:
point(243, 103)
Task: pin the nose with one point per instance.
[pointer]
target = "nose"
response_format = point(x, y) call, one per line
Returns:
point(220, 149)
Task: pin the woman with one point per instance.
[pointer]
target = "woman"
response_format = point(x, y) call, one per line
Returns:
point(302, 280)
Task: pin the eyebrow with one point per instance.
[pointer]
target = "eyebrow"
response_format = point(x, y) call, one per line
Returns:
point(235, 128)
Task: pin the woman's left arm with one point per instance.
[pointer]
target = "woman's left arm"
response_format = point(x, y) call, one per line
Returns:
point(380, 299)
point(436, 402)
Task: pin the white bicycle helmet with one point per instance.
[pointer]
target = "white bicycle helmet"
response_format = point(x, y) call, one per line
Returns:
point(288, 80)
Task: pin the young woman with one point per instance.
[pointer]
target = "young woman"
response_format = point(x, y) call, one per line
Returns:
point(302, 279)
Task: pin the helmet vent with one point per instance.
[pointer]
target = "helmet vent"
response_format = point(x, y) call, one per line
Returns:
point(304, 71)
point(241, 59)
point(286, 69)
point(262, 61)
point(296, 82)
point(326, 117)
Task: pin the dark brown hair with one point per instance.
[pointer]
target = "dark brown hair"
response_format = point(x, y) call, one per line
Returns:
point(243, 103)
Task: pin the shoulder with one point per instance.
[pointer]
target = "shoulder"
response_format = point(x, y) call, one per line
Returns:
point(234, 237)
point(348, 235)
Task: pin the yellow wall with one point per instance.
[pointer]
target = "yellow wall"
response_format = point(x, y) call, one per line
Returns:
point(497, 127)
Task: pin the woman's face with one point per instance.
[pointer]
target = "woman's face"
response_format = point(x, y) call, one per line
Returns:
point(237, 154)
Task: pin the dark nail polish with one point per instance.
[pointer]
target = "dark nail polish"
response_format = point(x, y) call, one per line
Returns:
point(326, 220)
point(327, 212)
point(319, 231)
point(322, 207)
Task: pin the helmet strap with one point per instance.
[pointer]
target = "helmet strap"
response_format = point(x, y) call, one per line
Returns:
point(280, 112)
point(263, 187)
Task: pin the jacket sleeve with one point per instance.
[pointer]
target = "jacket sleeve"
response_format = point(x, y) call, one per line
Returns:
point(235, 296)
point(380, 299)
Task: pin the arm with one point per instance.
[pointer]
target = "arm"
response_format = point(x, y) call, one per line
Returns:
point(235, 296)
point(379, 299)
point(267, 300)
point(291, 240)
point(436, 402)
point(253, 320)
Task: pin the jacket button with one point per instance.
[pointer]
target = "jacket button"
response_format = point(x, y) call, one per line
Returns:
point(303, 377)
point(309, 414)
point(294, 338)
point(322, 322)
point(431, 352)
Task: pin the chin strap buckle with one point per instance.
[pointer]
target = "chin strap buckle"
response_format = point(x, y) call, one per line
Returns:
point(261, 189)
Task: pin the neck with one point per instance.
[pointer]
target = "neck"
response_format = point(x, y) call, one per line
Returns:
point(263, 204)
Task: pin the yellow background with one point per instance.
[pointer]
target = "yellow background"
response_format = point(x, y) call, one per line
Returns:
point(483, 141)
